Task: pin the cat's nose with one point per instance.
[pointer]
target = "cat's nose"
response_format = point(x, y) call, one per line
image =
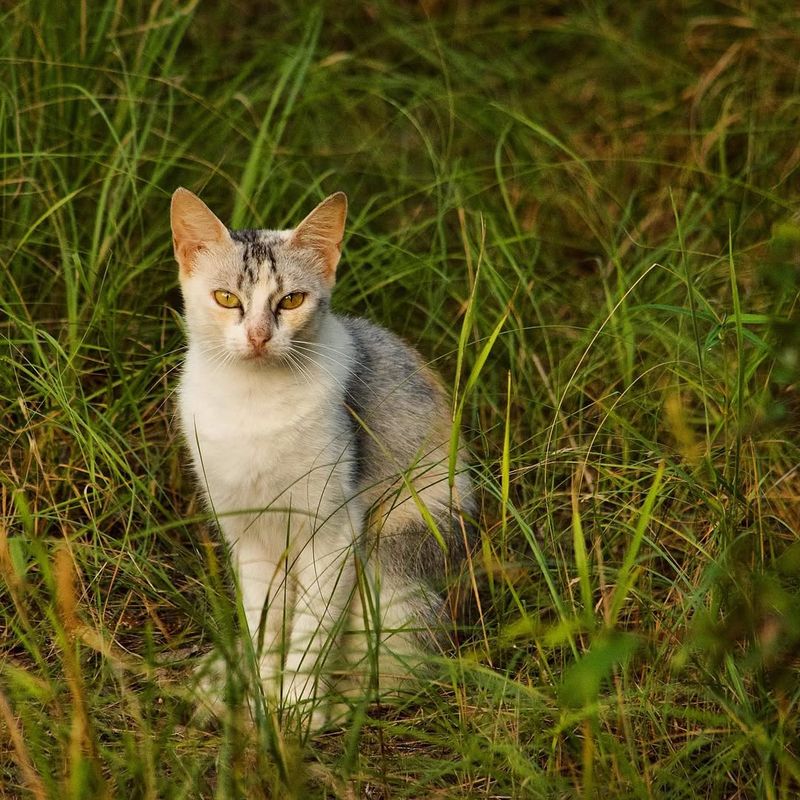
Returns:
point(258, 337)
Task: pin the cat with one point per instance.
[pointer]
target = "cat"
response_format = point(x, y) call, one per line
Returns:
point(321, 443)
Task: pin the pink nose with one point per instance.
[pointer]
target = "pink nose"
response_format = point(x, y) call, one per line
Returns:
point(258, 338)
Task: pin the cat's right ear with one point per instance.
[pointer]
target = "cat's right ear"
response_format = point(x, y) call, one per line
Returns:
point(194, 228)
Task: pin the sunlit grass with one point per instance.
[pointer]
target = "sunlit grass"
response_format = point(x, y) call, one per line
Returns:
point(587, 222)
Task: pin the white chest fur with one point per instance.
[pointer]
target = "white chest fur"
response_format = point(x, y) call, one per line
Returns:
point(266, 440)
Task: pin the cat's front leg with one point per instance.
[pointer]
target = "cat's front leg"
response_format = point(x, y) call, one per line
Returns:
point(267, 596)
point(324, 581)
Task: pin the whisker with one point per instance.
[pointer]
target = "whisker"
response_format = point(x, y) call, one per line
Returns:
point(294, 367)
point(320, 345)
point(316, 363)
point(307, 352)
point(301, 368)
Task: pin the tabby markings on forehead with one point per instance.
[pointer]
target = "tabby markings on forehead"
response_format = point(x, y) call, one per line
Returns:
point(247, 266)
point(257, 250)
point(245, 236)
point(271, 255)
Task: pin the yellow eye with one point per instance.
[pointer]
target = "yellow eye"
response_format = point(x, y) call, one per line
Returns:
point(292, 300)
point(227, 299)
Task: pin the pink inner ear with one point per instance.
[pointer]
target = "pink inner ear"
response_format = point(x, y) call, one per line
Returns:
point(185, 252)
point(326, 248)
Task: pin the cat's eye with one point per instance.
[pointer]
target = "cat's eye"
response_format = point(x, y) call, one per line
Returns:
point(227, 299)
point(292, 300)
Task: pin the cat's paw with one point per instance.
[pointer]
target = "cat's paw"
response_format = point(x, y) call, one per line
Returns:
point(211, 690)
point(304, 701)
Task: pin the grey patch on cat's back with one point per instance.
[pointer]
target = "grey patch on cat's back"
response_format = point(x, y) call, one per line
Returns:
point(356, 403)
point(415, 388)
point(401, 376)
point(399, 397)
point(400, 424)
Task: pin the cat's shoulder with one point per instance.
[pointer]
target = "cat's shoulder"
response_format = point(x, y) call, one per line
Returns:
point(379, 341)
point(374, 343)
point(387, 364)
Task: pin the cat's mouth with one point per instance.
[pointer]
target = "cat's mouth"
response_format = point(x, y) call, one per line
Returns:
point(256, 356)
point(262, 355)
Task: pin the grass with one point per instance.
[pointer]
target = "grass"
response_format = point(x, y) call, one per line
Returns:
point(586, 217)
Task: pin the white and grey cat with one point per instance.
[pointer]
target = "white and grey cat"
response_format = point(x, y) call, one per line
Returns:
point(321, 443)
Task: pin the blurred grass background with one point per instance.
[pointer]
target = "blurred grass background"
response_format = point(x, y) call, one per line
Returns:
point(621, 179)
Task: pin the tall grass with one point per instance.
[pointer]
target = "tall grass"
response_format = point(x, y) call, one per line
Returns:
point(586, 218)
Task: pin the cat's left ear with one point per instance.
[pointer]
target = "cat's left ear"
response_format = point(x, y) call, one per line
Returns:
point(323, 230)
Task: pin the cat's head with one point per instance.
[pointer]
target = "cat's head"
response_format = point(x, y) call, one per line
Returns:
point(249, 295)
